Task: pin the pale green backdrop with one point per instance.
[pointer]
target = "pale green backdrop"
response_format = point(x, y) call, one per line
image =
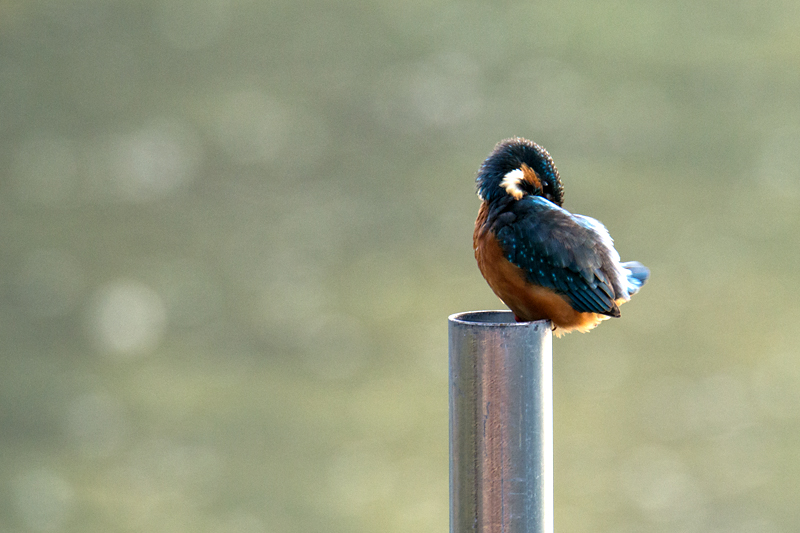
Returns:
point(231, 232)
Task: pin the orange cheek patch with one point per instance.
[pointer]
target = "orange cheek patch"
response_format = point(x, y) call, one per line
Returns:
point(529, 175)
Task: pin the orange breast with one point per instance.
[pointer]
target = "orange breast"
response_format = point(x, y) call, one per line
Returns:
point(526, 300)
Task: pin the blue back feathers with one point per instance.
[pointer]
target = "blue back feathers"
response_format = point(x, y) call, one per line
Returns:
point(556, 252)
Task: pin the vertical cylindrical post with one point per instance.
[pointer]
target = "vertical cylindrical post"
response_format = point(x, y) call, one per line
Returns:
point(501, 424)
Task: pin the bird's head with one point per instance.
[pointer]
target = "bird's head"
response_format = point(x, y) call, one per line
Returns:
point(518, 167)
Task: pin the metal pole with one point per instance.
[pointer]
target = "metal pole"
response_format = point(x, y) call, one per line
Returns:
point(501, 424)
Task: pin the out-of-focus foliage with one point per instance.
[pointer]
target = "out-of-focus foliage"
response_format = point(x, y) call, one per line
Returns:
point(232, 231)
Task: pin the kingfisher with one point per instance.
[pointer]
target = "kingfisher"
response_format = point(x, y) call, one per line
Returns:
point(541, 260)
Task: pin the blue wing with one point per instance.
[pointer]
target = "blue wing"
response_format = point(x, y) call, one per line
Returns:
point(570, 254)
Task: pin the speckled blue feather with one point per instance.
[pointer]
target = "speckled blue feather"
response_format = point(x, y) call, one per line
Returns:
point(571, 254)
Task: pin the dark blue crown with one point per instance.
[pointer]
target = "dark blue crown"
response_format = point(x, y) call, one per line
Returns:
point(509, 155)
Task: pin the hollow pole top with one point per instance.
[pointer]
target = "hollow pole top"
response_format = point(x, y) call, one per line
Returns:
point(496, 318)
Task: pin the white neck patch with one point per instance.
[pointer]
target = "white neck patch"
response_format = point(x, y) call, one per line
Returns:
point(511, 183)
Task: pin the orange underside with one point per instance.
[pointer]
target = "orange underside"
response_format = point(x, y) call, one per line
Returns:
point(527, 301)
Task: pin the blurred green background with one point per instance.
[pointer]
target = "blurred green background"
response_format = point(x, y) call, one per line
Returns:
point(232, 232)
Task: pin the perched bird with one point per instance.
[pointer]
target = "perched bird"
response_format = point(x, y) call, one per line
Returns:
point(540, 259)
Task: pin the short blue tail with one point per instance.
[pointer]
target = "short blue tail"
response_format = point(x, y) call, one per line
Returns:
point(637, 275)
